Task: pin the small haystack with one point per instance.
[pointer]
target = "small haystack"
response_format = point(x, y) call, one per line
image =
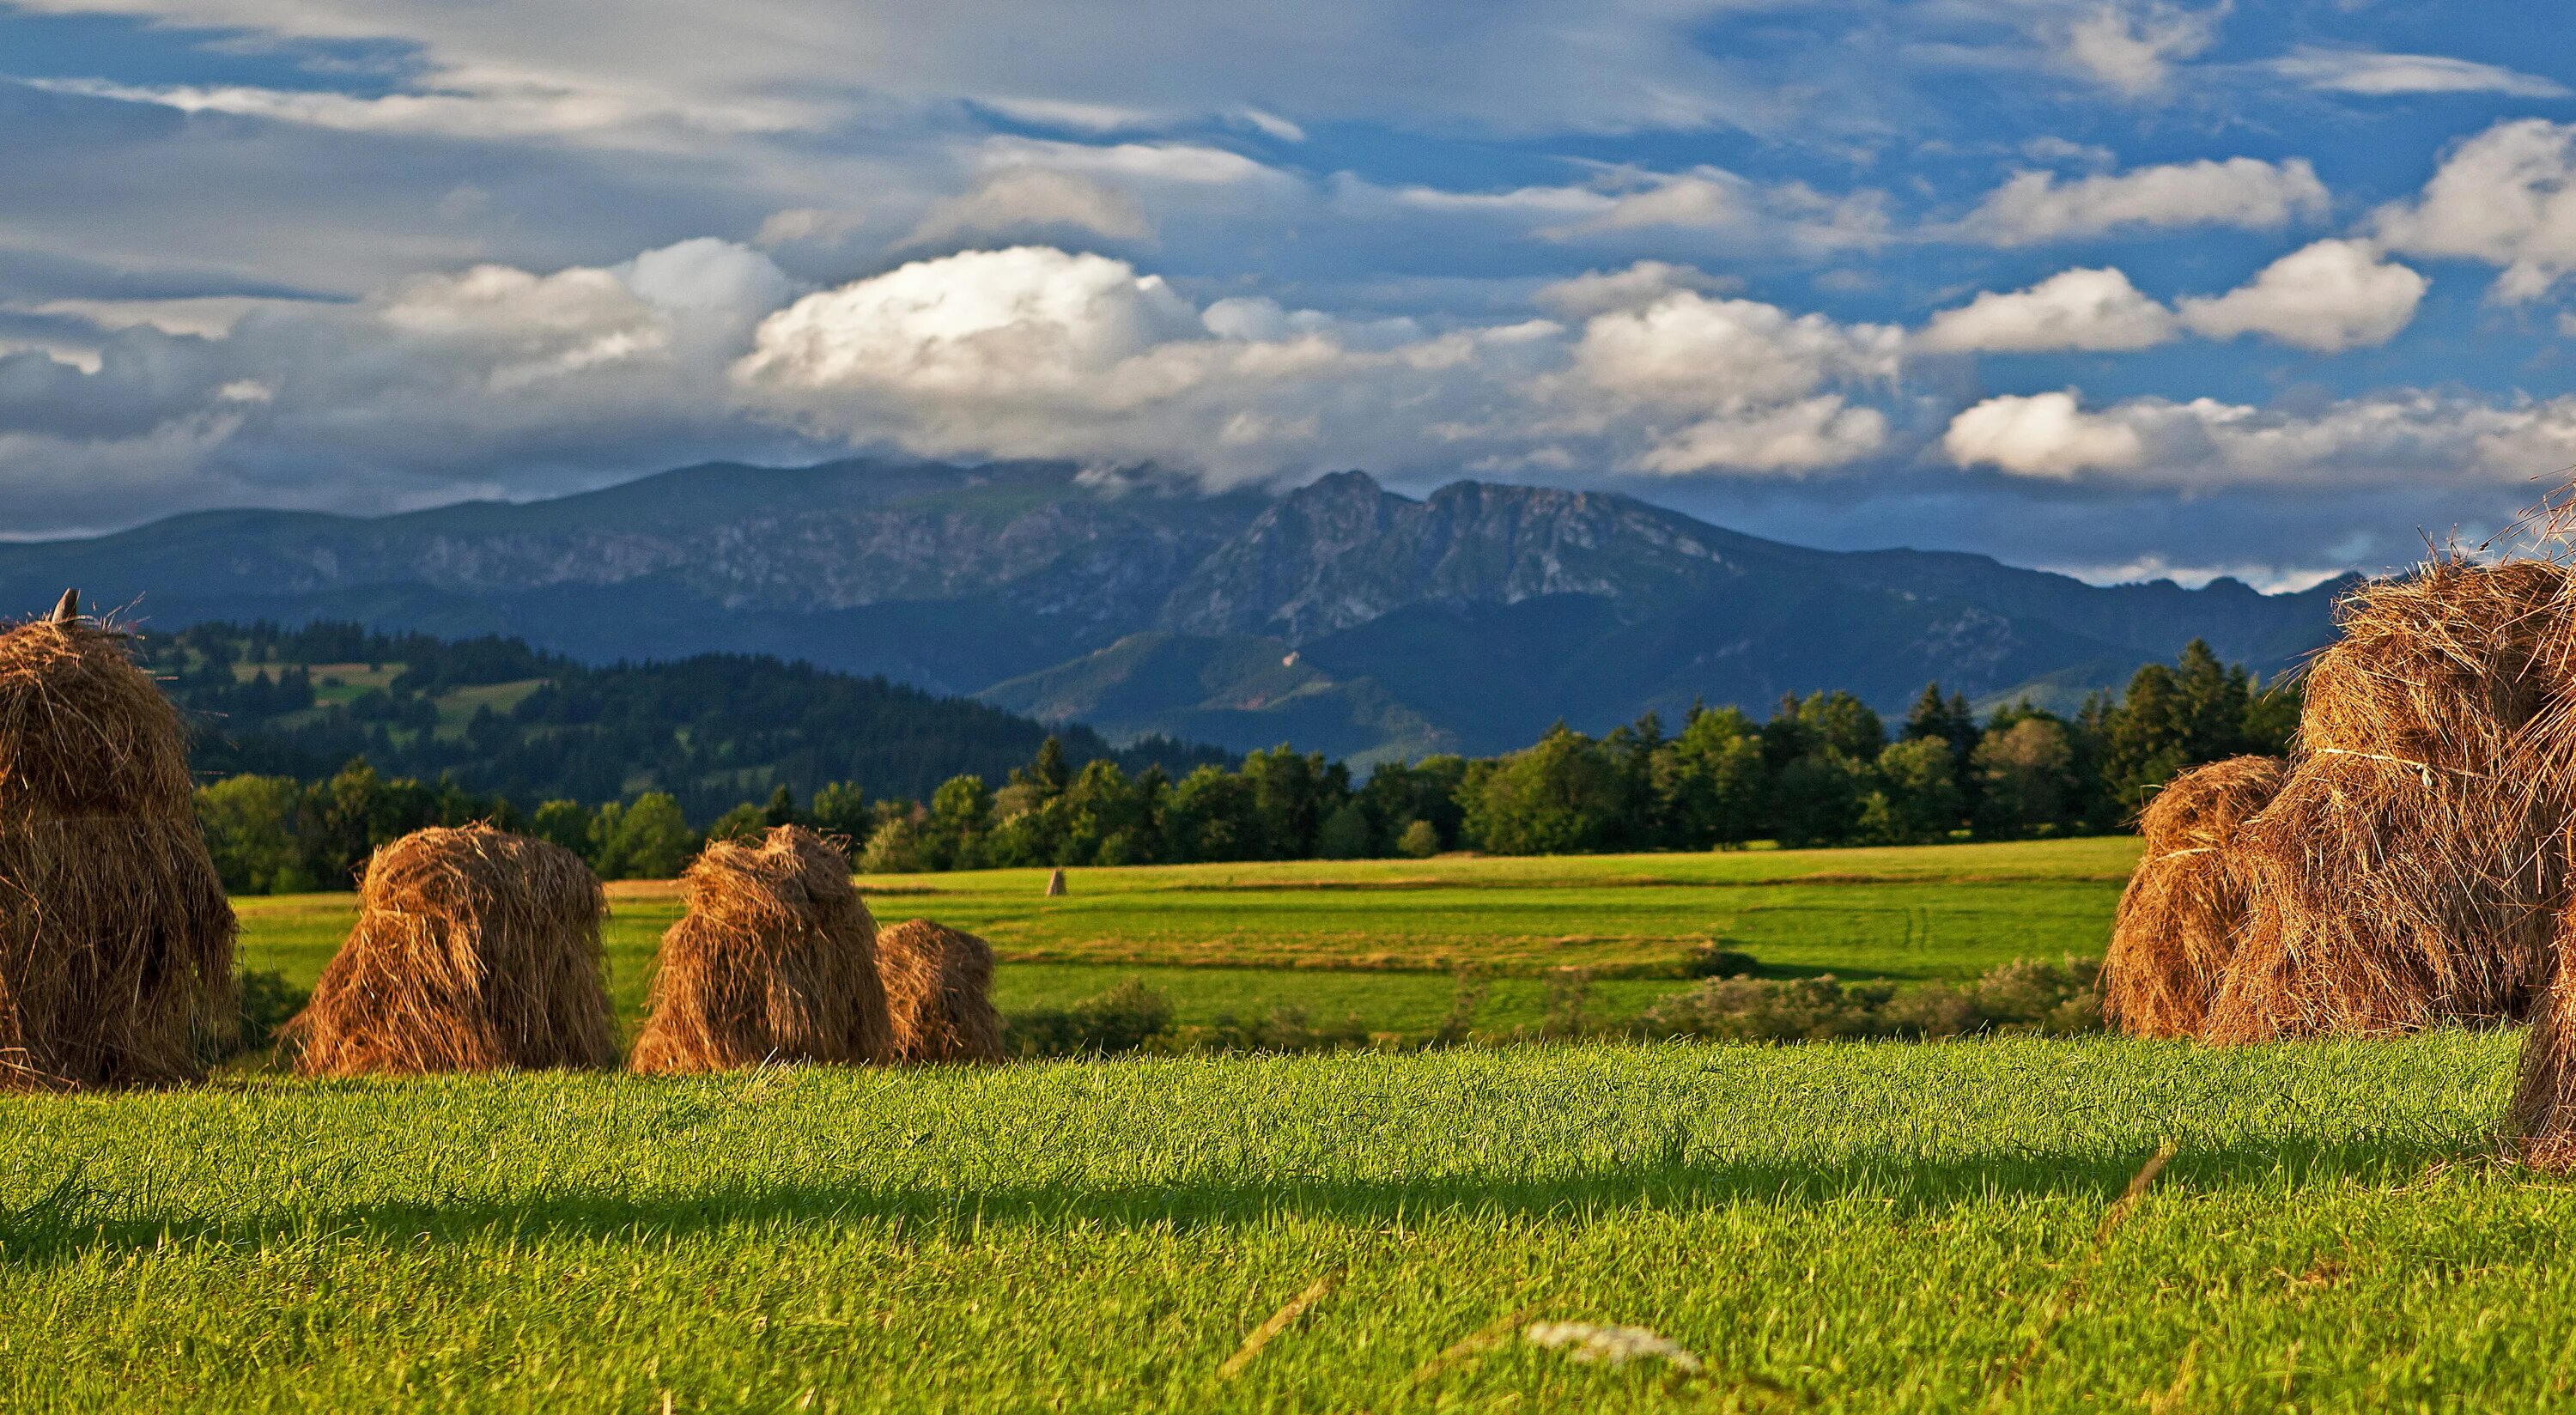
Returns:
point(474, 950)
point(116, 941)
point(2179, 916)
point(2408, 872)
point(939, 987)
point(776, 960)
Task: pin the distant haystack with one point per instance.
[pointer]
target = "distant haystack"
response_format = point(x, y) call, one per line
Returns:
point(939, 988)
point(116, 941)
point(776, 960)
point(474, 950)
point(2178, 918)
point(2409, 870)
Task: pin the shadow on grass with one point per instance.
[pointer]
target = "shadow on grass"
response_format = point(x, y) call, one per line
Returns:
point(74, 1218)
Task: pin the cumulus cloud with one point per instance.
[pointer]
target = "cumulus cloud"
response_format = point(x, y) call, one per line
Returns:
point(2378, 75)
point(2043, 435)
point(2506, 197)
point(1024, 199)
point(2241, 192)
point(2074, 309)
point(1643, 283)
point(2130, 49)
point(2330, 296)
point(2393, 439)
point(1034, 351)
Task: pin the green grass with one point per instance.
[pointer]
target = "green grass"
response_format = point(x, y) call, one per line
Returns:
point(1909, 914)
point(1379, 937)
point(1876, 1227)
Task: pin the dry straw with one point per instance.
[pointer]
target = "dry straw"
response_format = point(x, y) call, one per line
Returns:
point(474, 950)
point(116, 943)
point(2178, 918)
point(939, 988)
point(776, 960)
point(2408, 871)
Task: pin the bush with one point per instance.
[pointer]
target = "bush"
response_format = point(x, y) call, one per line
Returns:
point(1751, 1010)
point(895, 849)
point(2053, 999)
point(1709, 960)
point(1281, 1029)
point(1420, 840)
point(1120, 1020)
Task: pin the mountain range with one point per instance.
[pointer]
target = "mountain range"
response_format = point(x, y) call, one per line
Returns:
point(1339, 616)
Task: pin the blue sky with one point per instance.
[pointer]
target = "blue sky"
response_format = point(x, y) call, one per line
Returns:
point(2119, 288)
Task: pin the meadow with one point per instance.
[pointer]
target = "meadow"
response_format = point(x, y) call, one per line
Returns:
point(1381, 938)
point(2003, 1223)
point(1848, 1227)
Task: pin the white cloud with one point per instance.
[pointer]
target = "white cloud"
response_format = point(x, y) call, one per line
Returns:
point(1024, 199)
point(1713, 201)
point(2402, 438)
point(1038, 352)
point(2130, 49)
point(1274, 125)
point(2241, 192)
point(211, 315)
point(603, 115)
point(1643, 283)
point(1186, 164)
point(2506, 197)
point(2074, 309)
point(2377, 75)
point(809, 225)
point(2043, 435)
point(1095, 65)
point(2330, 296)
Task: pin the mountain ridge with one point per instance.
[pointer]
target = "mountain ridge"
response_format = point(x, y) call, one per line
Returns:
point(1340, 615)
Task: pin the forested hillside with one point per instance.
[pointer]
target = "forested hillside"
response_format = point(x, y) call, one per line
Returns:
point(498, 717)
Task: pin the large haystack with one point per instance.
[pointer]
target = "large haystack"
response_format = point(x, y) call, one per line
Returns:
point(474, 950)
point(776, 960)
point(939, 986)
point(116, 942)
point(2178, 918)
point(2408, 871)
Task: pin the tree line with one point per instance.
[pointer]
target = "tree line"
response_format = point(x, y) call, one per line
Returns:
point(1824, 769)
point(499, 718)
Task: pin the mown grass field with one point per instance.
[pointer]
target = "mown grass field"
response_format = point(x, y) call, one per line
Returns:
point(1835, 1227)
point(1379, 938)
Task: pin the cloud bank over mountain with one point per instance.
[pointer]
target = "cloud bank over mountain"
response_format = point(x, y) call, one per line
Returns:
point(2075, 282)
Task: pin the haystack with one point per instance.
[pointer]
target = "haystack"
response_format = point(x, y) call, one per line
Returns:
point(116, 942)
point(776, 960)
point(2408, 871)
point(474, 950)
point(939, 987)
point(2178, 918)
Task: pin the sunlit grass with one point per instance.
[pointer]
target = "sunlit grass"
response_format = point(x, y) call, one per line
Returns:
point(1873, 1227)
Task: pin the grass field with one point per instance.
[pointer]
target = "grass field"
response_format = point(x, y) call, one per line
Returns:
point(1847, 1227)
point(1378, 937)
